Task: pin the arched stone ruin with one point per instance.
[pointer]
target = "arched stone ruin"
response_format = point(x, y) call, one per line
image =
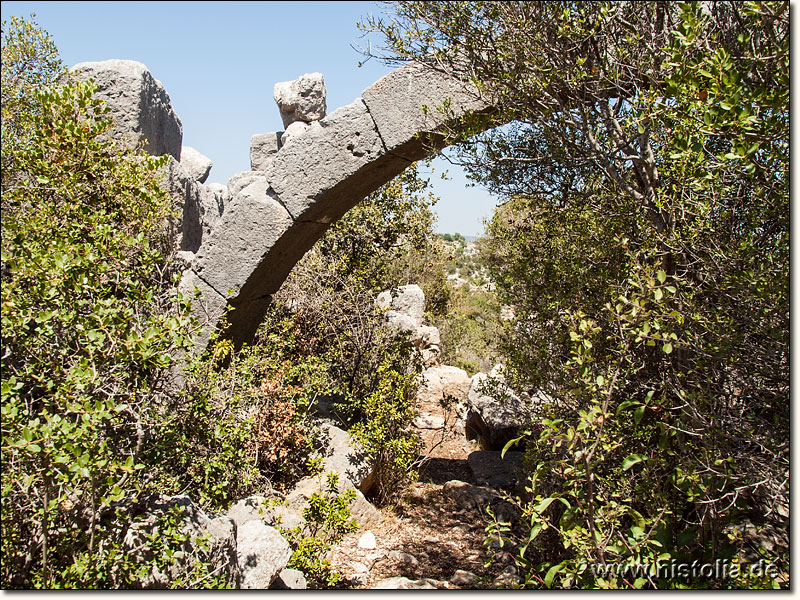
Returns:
point(241, 241)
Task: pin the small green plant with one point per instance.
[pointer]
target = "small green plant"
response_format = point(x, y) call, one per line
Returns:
point(327, 519)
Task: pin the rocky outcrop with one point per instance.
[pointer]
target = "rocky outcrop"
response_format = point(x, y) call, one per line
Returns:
point(196, 165)
point(139, 104)
point(262, 554)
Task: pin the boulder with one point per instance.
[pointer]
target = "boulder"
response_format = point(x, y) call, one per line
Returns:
point(263, 147)
point(407, 300)
point(241, 180)
point(494, 413)
point(302, 99)
point(214, 197)
point(196, 165)
point(463, 578)
point(154, 514)
point(139, 105)
point(290, 579)
point(267, 510)
point(262, 553)
point(444, 382)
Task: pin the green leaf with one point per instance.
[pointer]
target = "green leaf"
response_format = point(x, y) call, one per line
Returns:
point(631, 460)
point(638, 414)
point(661, 276)
point(551, 573)
point(667, 348)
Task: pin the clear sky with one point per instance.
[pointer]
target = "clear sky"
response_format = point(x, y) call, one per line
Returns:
point(219, 62)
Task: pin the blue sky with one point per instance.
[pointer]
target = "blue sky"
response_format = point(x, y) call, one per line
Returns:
point(219, 62)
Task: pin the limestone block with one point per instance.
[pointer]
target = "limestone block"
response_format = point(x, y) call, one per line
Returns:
point(396, 103)
point(213, 198)
point(302, 99)
point(407, 299)
point(263, 147)
point(251, 224)
point(197, 165)
point(241, 180)
point(263, 553)
point(139, 105)
point(185, 195)
point(323, 173)
point(495, 413)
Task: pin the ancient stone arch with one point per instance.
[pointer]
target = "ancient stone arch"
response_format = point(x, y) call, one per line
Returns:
point(274, 216)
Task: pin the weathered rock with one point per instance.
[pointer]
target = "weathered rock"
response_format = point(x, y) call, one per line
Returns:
point(139, 105)
point(262, 553)
point(185, 195)
point(290, 579)
point(427, 336)
point(400, 322)
point(302, 99)
point(508, 578)
point(293, 130)
point(444, 382)
point(495, 414)
point(236, 246)
point(196, 165)
point(263, 147)
point(241, 180)
point(396, 103)
point(307, 174)
point(364, 512)
point(404, 583)
point(407, 300)
point(213, 199)
point(489, 468)
point(352, 464)
point(221, 552)
point(463, 578)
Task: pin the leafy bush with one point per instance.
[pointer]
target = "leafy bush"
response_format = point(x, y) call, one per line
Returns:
point(326, 520)
point(88, 328)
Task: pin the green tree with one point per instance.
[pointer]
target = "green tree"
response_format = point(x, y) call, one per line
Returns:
point(89, 325)
point(645, 247)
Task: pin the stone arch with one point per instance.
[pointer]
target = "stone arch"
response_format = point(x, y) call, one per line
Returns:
point(310, 183)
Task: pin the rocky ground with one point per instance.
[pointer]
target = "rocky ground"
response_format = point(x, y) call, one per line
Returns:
point(435, 536)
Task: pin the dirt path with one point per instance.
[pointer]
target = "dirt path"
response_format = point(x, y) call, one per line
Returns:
point(436, 531)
